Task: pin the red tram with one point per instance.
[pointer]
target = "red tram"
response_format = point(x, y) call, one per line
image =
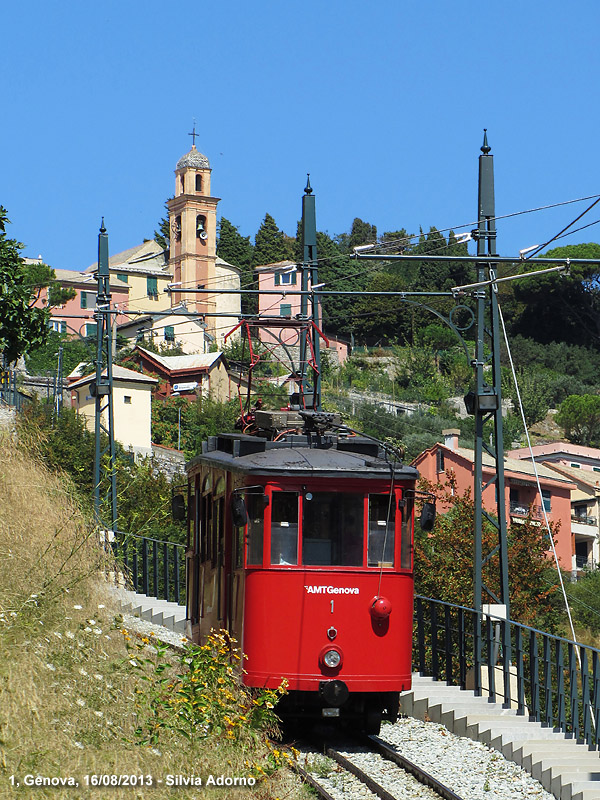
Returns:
point(302, 549)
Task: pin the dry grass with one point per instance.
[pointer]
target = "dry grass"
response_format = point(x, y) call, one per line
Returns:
point(68, 694)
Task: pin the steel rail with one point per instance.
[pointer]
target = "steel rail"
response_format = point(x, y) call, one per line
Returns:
point(362, 776)
point(388, 752)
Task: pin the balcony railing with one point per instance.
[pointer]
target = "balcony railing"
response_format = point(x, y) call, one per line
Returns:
point(584, 562)
point(522, 510)
point(583, 519)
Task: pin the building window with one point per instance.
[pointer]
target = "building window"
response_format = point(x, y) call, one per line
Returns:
point(91, 330)
point(439, 461)
point(87, 299)
point(127, 399)
point(201, 227)
point(182, 183)
point(152, 287)
point(198, 183)
point(169, 333)
point(285, 278)
point(58, 325)
point(546, 499)
point(122, 276)
point(575, 465)
point(285, 310)
point(178, 228)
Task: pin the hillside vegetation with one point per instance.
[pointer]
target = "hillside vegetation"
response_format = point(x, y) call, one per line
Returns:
point(80, 695)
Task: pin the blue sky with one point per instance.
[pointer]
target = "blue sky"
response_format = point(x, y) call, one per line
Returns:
point(383, 103)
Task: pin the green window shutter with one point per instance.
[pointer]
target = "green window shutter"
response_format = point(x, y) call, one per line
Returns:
point(63, 326)
point(285, 310)
point(277, 279)
point(294, 277)
point(91, 330)
point(83, 299)
point(121, 276)
point(169, 333)
point(152, 286)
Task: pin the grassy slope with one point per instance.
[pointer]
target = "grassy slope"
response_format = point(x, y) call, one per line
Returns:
point(68, 694)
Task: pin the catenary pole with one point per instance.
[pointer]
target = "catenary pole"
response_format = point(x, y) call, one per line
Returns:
point(102, 390)
point(309, 273)
point(488, 413)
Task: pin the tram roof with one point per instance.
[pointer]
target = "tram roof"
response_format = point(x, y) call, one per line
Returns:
point(327, 456)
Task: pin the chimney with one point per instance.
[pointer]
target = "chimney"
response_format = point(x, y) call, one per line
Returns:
point(451, 438)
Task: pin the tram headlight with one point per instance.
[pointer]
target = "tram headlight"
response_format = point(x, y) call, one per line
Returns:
point(332, 659)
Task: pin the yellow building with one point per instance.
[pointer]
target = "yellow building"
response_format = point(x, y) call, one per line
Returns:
point(132, 395)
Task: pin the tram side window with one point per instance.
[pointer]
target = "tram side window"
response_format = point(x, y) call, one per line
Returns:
point(332, 529)
point(256, 510)
point(206, 535)
point(382, 519)
point(406, 546)
point(238, 538)
point(284, 528)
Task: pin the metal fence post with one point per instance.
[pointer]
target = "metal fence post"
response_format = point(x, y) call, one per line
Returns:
point(166, 570)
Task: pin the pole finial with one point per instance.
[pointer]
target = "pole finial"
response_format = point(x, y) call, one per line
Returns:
point(485, 148)
point(102, 226)
point(308, 187)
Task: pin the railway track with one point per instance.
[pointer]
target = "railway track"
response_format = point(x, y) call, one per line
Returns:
point(368, 767)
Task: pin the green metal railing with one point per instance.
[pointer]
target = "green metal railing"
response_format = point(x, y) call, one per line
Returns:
point(152, 567)
point(549, 679)
point(9, 394)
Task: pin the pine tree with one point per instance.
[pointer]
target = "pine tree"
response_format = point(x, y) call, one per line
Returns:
point(163, 234)
point(239, 251)
point(271, 244)
point(233, 247)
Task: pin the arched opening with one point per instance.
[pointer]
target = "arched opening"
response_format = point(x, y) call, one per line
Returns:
point(201, 227)
point(198, 183)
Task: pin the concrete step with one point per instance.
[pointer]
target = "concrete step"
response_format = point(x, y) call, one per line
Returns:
point(527, 752)
point(584, 791)
point(555, 777)
point(159, 612)
point(567, 769)
point(567, 785)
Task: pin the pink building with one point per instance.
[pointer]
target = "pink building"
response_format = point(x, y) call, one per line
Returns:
point(285, 276)
point(581, 465)
point(577, 456)
point(282, 276)
point(521, 491)
point(76, 316)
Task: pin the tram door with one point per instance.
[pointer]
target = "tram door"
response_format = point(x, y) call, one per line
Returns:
point(220, 561)
point(194, 567)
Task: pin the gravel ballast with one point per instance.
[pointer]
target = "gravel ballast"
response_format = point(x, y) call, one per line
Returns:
point(471, 769)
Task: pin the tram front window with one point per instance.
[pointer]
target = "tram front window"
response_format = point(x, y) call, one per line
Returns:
point(284, 528)
point(382, 519)
point(332, 529)
point(256, 507)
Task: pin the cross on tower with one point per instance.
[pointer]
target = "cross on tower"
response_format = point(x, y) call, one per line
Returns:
point(193, 134)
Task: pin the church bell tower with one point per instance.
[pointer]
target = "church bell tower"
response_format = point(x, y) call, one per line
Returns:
point(193, 222)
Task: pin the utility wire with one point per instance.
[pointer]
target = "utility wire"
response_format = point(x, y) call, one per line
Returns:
point(537, 479)
point(560, 233)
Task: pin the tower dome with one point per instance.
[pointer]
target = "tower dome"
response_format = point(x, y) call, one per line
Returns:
point(193, 159)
